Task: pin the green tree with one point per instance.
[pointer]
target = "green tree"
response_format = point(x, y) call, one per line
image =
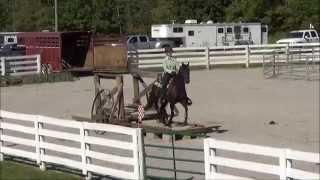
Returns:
point(32, 15)
point(247, 10)
point(6, 7)
point(75, 15)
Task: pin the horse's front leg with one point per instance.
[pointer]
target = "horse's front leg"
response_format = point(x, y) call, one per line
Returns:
point(185, 105)
point(172, 113)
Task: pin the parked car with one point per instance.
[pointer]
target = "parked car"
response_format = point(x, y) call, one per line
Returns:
point(300, 36)
point(145, 42)
point(12, 50)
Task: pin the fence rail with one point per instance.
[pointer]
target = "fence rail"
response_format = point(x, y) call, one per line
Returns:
point(20, 65)
point(77, 150)
point(285, 159)
point(211, 56)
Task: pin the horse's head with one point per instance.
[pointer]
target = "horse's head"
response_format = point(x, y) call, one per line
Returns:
point(185, 72)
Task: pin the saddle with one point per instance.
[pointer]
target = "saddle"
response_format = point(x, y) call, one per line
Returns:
point(159, 82)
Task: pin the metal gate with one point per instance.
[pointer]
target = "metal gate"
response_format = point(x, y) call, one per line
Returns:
point(166, 161)
point(294, 64)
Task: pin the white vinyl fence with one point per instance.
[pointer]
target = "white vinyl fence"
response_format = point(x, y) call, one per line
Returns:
point(283, 170)
point(73, 144)
point(223, 55)
point(20, 65)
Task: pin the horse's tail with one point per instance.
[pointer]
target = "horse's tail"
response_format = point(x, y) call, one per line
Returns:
point(189, 102)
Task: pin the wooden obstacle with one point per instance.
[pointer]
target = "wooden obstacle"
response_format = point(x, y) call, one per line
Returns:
point(159, 131)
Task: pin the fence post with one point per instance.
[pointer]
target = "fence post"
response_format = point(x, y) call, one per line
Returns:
point(288, 164)
point(307, 67)
point(37, 139)
point(206, 158)
point(287, 52)
point(3, 66)
point(313, 58)
point(208, 152)
point(83, 150)
point(247, 50)
point(42, 151)
point(87, 159)
point(1, 142)
point(207, 56)
point(141, 154)
point(282, 164)
point(38, 63)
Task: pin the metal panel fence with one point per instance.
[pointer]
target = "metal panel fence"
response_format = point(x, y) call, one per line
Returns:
point(293, 65)
point(283, 169)
point(20, 65)
point(208, 57)
point(73, 144)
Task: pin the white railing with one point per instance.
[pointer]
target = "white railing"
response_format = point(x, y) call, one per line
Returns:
point(20, 65)
point(68, 143)
point(224, 55)
point(285, 158)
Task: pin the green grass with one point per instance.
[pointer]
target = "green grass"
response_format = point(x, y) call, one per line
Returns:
point(16, 171)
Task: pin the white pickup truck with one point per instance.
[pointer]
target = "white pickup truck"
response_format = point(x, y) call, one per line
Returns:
point(145, 42)
point(300, 36)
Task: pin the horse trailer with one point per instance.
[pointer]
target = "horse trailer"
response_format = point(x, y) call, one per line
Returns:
point(58, 50)
point(193, 34)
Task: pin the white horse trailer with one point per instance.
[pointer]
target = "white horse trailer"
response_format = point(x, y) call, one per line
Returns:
point(192, 34)
point(8, 38)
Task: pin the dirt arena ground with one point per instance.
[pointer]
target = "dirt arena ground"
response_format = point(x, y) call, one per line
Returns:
point(240, 100)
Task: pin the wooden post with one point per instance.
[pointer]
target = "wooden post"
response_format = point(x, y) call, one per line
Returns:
point(174, 156)
point(1, 142)
point(282, 164)
point(87, 159)
point(37, 139)
point(274, 64)
point(287, 52)
point(288, 164)
point(207, 55)
point(119, 82)
point(96, 84)
point(307, 68)
point(83, 151)
point(247, 56)
point(96, 81)
point(213, 152)
point(42, 151)
point(38, 64)
point(135, 89)
point(210, 168)
point(141, 154)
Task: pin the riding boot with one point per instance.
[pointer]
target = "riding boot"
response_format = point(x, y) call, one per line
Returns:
point(165, 82)
point(163, 93)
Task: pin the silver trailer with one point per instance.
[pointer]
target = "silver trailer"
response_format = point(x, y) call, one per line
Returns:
point(192, 34)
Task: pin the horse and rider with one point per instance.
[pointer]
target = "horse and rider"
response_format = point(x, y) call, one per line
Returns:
point(172, 89)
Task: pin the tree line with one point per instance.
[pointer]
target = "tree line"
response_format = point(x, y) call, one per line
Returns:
point(137, 16)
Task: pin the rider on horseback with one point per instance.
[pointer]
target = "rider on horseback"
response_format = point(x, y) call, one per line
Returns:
point(170, 68)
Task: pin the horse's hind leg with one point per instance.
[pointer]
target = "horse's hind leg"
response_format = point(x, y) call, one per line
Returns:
point(163, 112)
point(156, 105)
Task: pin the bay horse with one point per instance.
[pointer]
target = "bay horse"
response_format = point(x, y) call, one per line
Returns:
point(175, 93)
